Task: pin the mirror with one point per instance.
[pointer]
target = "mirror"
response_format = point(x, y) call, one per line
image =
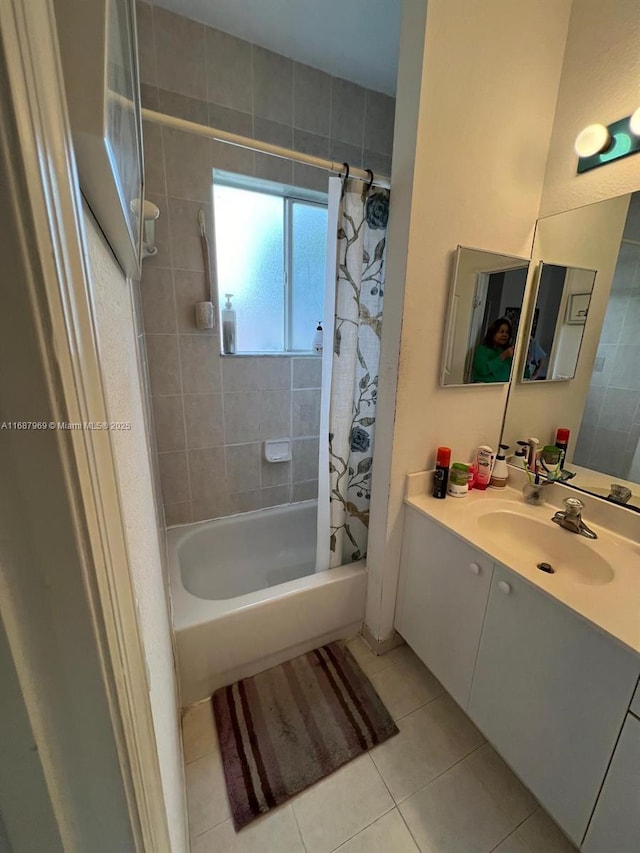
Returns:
point(557, 325)
point(601, 404)
point(483, 318)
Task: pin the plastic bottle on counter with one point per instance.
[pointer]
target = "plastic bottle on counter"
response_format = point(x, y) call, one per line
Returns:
point(458, 480)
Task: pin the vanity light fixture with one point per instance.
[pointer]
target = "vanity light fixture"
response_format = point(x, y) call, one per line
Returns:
point(598, 144)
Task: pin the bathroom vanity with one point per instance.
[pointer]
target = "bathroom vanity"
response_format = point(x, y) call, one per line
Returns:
point(545, 664)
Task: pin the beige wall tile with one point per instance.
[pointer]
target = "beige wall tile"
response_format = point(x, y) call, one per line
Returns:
point(344, 152)
point(306, 413)
point(305, 459)
point(168, 418)
point(158, 305)
point(146, 44)
point(347, 111)
point(310, 143)
point(153, 158)
point(378, 122)
point(245, 501)
point(216, 506)
point(274, 496)
point(275, 414)
point(186, 248)
point(149, 96)
point(310, 178)
point(243, 467)
point(200, 364)
point(188, 165)
point(207, 472)
point(311, 99)
point(273, 168)
point(239, 374)
point(275, 473)
point(228, 70)
point(164, 364)
point(307, 372)
point(241, 413)
point(274, 373)
point(178, 514)
point(204, 420)
point(174, 477)
point(378, 163)
point(181, 54)
point(191, 109)
point(233, 121)
point(307, 491)
point(272, 86)
point(230, 158)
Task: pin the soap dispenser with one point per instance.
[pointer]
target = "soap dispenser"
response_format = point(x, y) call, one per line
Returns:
point(500, 473)
point(228, 327)
point(316, 346)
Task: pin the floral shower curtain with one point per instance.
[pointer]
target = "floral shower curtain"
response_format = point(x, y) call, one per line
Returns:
point(362, 232)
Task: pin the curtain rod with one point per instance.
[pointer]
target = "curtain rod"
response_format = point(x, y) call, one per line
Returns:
point(264, 147)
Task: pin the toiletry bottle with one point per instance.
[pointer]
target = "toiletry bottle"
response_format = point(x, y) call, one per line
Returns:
point(471, 477)
point(562, 441)
point(500, 473)
point(484, 464)
point(441, 473)
point(228, 327)
point(458, 480)
point(520, 456)
point(316, 346)
point(532, 456)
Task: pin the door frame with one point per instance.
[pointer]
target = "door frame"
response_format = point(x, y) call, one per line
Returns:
point(46, 204)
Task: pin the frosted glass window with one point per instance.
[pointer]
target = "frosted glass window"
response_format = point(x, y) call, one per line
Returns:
point(270, 254)
point(308, 254)
point(250, 262)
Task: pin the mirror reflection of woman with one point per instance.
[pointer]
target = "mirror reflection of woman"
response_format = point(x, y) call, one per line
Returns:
point(493, 358)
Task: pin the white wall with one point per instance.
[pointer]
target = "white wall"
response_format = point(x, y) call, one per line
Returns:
point(122, 382)
point(489, 86)
point(600, 83)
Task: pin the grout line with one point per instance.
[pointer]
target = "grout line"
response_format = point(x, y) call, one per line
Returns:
point(295, 817)
point(415, 840)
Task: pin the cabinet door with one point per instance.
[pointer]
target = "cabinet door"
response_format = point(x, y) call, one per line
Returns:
point(616, 820)
point(551, 693)
point(442, 596)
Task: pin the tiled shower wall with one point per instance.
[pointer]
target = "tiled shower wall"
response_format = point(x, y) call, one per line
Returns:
point(212, 413)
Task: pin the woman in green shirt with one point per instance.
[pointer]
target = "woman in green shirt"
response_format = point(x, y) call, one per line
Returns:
point(492, 359)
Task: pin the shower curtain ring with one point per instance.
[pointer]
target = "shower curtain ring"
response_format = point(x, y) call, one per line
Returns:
point(370, 173)
point(346, 168)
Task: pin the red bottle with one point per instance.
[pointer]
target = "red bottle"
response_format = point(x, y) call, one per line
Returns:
point(441, 473)
point(562, 440)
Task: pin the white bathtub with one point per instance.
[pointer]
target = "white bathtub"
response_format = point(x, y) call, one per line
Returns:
point(245, 595)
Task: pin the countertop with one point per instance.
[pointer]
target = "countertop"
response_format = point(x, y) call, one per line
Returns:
point(613, 607)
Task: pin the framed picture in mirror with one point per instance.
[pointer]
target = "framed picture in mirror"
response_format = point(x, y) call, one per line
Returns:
point(578, 308)
point(485, 307)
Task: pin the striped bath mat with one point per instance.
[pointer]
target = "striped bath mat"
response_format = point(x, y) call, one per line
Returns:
point(286, 728)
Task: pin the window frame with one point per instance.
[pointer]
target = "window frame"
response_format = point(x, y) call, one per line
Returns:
point(290, 196)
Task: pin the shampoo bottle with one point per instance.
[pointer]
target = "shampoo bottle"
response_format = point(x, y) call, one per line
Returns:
point(500, 473)
point(228, 327)
point(484, 464)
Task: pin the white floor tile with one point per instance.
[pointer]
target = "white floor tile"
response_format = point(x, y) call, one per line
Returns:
point(368, 661)
point(338, 807)
point(276, 832)
point(389, 834)
point(506, 789)
point(199, 734)
point(206, 793)
point(406, 685)
point(538, 834)
point(454, 722)
point(456, 814)
point(423, 749)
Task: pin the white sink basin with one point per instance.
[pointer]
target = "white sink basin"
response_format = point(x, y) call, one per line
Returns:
point(544, 542)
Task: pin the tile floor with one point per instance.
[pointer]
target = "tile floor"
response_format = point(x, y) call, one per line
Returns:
point(437, 787)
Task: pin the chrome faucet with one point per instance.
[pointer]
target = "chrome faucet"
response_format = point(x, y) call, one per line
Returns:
point(571, 518)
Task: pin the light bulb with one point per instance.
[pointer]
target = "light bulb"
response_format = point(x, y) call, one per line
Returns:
point(634, 123)
point(592, 140)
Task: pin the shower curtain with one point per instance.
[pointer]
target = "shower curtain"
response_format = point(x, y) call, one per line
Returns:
point(351, 367)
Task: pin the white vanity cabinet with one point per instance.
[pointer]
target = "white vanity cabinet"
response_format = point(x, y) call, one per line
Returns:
point(442, 596)
point(550, 692)
point(616, 821)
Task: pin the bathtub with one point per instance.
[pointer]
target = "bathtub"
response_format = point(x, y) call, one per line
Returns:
point(245, 595)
